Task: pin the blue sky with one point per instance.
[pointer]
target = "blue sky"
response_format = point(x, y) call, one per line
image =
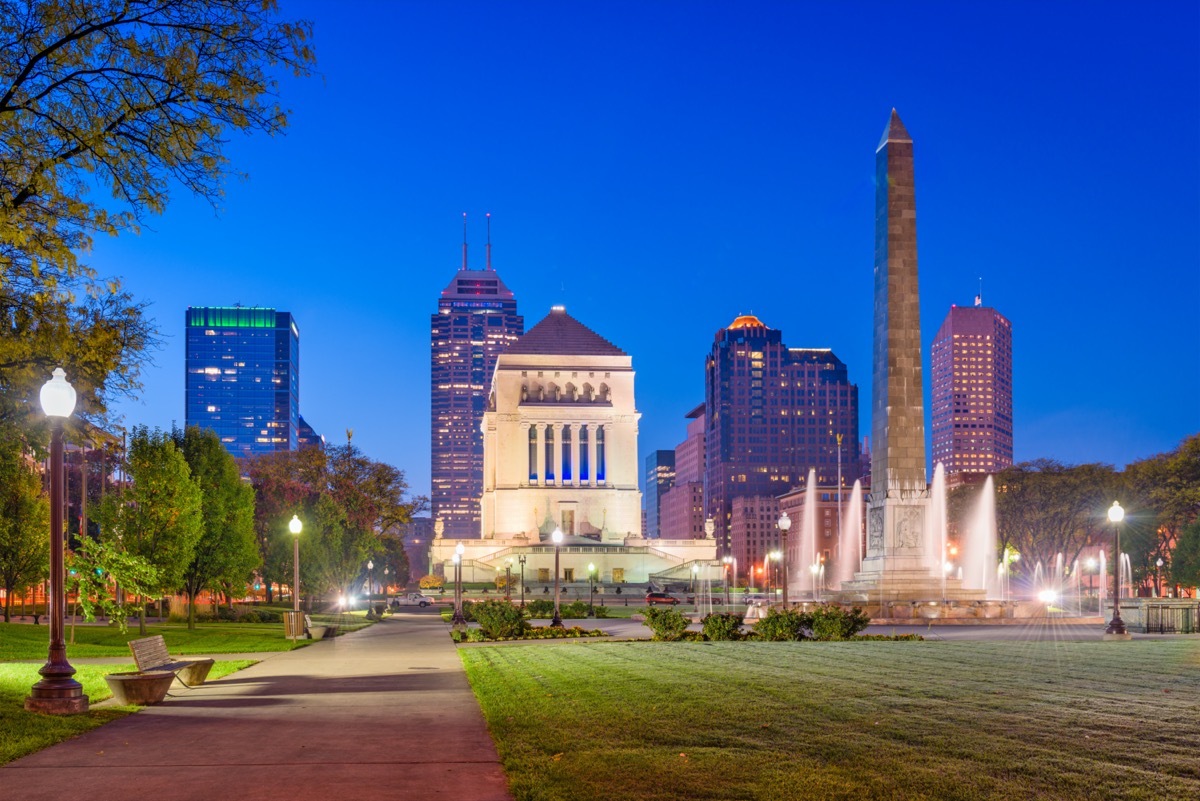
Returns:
point(660, 167)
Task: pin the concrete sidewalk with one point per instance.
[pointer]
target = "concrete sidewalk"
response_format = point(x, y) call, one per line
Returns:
point(382, 713)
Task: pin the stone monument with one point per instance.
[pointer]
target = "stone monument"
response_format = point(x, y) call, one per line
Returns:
point(902, 562)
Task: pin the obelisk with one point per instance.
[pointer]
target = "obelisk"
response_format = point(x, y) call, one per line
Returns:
point(903, 560)
point(896, 536)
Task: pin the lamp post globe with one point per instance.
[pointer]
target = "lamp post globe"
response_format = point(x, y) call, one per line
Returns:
point(556, 538)
point(57, 693)
point(785, 523)
point(1116, 626)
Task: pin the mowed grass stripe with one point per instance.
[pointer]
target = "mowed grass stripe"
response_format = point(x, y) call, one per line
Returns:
point(938, 720)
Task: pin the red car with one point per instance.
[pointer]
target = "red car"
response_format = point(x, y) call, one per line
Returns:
point(653, 598)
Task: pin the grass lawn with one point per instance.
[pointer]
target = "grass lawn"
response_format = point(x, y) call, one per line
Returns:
point(879, 720)
point(23, 641)
point(24, 732)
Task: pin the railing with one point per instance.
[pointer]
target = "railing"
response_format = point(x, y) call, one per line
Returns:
point(1170, 619)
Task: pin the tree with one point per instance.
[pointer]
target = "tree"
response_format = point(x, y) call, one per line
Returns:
point(128, 96)
point(285, 483)
point(96, 572)
point(158, 515)
point(1166, 490)
point(1044, 508)
point(345, 500)
point(227, 550)
point(1185, 567)
point(24, 522)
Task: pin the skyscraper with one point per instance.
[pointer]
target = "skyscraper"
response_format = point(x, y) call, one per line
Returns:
point(475, 321)
point(773, 412)
point(243, 377)
point(972, 391)
point(660, 477)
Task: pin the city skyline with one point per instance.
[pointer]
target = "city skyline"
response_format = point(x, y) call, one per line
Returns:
point(733, 176)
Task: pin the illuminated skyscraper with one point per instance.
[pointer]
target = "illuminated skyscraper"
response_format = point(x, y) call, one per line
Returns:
point(659, 475)
point(243, 377)
point(972, 391)
point(475, 321)
point(773, 412)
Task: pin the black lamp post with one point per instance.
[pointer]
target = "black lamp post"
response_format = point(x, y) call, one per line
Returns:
point(557, 538)
point(458, 619)
point(521, 561)
point(1116, 626)
point(57, 693)
point(295, 526)
point(591, 590)
point(508, 579)
point(370, 589)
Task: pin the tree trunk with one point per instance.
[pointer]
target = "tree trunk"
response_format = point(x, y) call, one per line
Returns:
point(191, 609)
point(269, 595)
point(142, 616)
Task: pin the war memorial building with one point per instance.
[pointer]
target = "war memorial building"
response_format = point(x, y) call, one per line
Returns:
point(560, 451)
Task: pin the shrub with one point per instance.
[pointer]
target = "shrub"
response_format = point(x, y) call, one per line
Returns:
point(468, 610)
point(784, 625)
point(431, 582)
point(889, 637)
point(575, 609)
point(667, 623)
point(722, 626)
point(500, 620)
point(552, 633)
point(835, 623)
point(466, 635)
point(540, 608)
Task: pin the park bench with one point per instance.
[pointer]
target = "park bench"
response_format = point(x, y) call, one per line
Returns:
point(150, 654)
point(319, 632)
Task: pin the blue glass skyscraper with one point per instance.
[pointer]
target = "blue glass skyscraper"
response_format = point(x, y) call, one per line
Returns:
point(243, 377)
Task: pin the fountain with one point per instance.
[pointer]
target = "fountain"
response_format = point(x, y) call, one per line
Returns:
point(980, 555)
point(850, 553)
point(808, 532)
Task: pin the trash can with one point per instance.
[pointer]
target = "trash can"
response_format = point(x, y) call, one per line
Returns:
point(293, 625)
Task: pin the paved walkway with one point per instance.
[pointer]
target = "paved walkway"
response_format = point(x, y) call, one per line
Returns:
point(382, 713)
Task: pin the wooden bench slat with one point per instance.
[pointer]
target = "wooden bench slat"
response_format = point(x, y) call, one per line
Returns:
point(150, 653)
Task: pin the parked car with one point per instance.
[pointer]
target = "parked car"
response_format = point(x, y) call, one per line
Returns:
point(412, 599)
point(653, 598)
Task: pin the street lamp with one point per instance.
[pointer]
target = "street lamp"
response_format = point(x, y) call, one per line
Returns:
point(57, 693)
point(591, 589)
point(1158, 563)
point(1116, 627)
point(458, 619)
point(521, 561)
point(370, 589)
point(295, 526)
point(785, 523)
point(557, 538)
point(508, 580)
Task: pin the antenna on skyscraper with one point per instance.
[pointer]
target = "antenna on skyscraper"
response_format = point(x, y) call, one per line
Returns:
point(979, 297)
point(464, 240)
point(489, 240)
